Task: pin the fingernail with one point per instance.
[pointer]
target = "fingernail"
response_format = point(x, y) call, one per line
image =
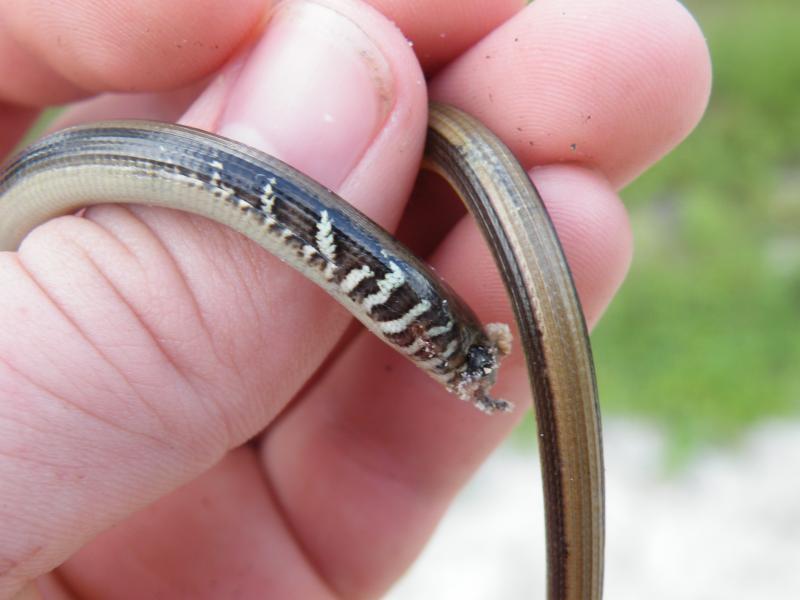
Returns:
point(314, 92)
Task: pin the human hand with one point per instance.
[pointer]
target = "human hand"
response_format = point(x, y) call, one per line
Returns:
point(141, 348)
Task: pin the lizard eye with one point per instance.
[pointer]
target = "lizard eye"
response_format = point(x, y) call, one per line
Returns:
point(480, 361)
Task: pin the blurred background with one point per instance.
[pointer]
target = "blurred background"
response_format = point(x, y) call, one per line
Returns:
point(698, 363)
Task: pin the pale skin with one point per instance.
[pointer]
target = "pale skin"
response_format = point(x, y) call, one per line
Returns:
point(181, 415)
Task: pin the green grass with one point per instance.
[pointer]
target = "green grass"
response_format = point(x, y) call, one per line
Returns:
point(704, 336)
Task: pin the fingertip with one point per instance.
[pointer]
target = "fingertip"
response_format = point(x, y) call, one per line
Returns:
point(143, 46)
point(606, 83)
point(672, 65)
point(25, 79)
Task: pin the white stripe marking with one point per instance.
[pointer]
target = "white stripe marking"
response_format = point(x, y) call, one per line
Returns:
point(430, 364)
point(440, 330)
point(354, 277)
point(386, 286)
point(268, 195)
point(325, 242)
point(414, 347)
point(224, 192)
point(217, 165)
point(401, 324)
point(451, 348)
point(309, 252)
point(330, 271)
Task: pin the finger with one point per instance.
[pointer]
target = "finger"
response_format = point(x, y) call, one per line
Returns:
point(153, 325)
point(172, 548)
point(606, 83)
point(58, 51)
point(93, 45)
point(24, 78)
point(440, 30)
point(162, 106)
point(389, 440)
point(14, 122)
